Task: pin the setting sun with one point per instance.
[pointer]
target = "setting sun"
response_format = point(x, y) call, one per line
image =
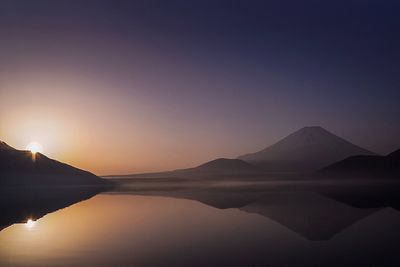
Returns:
point(30, 223)
point(34, 147)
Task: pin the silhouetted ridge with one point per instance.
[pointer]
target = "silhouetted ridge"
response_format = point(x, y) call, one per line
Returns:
point(309, 148)
point(4, 146)
point(227, 164)
point(218, 168)
point(367, 167)
point(395, 155)
point(18, 167)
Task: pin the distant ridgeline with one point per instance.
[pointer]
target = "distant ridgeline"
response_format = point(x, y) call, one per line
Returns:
point(19, 167)
point(308, 149)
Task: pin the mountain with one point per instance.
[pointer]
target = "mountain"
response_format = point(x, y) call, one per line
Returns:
point(367, 167)
point(223, 164)
point(4, 146)
point(307, 149)
point(218, 168)
point(19, 167)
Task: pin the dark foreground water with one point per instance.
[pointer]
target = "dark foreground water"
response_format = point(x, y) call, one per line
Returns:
point(198, 228)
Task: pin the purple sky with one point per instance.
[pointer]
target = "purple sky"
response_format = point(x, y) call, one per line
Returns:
point(118, 87)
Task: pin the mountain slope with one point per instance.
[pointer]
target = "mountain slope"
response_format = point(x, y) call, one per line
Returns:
point(218, 168)
point(309, 148)
point(367, 167)
point(18, 167)
point(4, 146)
point(223, 164)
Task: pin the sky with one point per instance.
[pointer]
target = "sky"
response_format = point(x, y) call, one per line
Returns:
point(119, 87)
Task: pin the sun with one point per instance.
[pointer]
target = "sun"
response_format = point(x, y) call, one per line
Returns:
point(34, 147)
point(30, 223)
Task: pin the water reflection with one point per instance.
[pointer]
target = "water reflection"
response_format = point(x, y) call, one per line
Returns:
point(206, 227)
point(315, 210)
point(27, 204)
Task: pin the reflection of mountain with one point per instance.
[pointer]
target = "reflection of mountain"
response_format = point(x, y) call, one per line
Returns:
point(381, 167)
point(313, 215)
point(309, 214)
point(19, 167)
point(309, 148)
point(215, 198)
point(18, 204)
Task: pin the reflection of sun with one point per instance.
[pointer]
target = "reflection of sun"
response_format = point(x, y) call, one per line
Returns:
point(34, 147)
point(30, 223)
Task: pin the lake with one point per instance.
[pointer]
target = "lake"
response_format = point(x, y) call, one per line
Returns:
point(199, 227)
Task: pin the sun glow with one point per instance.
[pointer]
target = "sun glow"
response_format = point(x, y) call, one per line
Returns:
point(34, 147)
point(30, 223)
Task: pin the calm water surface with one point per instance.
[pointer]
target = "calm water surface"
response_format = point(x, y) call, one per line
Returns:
point(134, 230)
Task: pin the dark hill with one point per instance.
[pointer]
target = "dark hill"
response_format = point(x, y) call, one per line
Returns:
point(4, 146)
point(18, 167)
point(216, 169)
point(367, 167)
point(394, 155)
point(223, 164)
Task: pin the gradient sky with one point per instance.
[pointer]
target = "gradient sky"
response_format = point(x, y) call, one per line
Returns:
point(134, 86)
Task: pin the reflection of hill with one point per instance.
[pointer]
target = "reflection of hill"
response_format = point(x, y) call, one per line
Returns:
point(310, 214)
point(314, 211)
point(212, 197)
point(375, 195)
point(18, 204)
